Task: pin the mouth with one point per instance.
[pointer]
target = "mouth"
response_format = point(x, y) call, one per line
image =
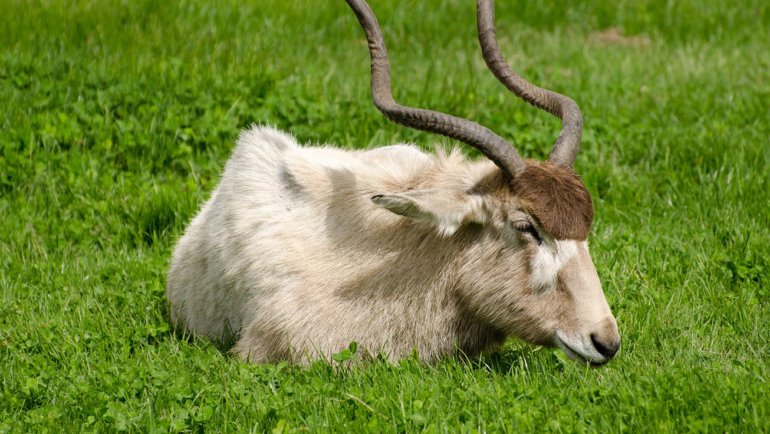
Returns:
point(576, 355)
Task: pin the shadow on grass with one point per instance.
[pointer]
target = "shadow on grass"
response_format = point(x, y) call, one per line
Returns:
point(514, 357)
point(224, 344)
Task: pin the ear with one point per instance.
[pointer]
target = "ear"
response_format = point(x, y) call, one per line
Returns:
point(447, 209)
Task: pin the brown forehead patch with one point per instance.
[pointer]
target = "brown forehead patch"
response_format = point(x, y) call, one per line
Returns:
point(557, 198)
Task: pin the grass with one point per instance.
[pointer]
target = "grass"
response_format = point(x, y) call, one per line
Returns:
point(116, 119)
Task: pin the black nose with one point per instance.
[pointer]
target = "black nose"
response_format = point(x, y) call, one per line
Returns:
point(606, 349)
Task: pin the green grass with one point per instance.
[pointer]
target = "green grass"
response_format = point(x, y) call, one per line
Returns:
point(116, 119)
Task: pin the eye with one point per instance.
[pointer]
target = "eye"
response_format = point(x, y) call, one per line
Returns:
point(526, 228)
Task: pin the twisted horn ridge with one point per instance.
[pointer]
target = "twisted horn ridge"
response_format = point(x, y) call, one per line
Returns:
point(566, 147)
point(468, 132)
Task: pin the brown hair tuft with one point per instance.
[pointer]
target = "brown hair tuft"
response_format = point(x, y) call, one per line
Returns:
point(557, 198)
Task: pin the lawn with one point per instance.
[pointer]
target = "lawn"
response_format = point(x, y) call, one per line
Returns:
point(116, 119)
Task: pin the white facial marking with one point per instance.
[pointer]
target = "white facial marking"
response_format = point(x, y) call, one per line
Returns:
point(590, 309)
point(548, 261)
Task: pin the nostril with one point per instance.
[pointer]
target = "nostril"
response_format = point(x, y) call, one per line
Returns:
point(606, 349)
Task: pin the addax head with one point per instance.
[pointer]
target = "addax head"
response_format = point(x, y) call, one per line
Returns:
point(549, 216)
point(542, 218)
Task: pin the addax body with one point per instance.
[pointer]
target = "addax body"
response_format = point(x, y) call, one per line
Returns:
point(302, 250)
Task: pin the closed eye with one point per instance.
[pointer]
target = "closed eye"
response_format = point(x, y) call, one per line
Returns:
point(527, 229)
